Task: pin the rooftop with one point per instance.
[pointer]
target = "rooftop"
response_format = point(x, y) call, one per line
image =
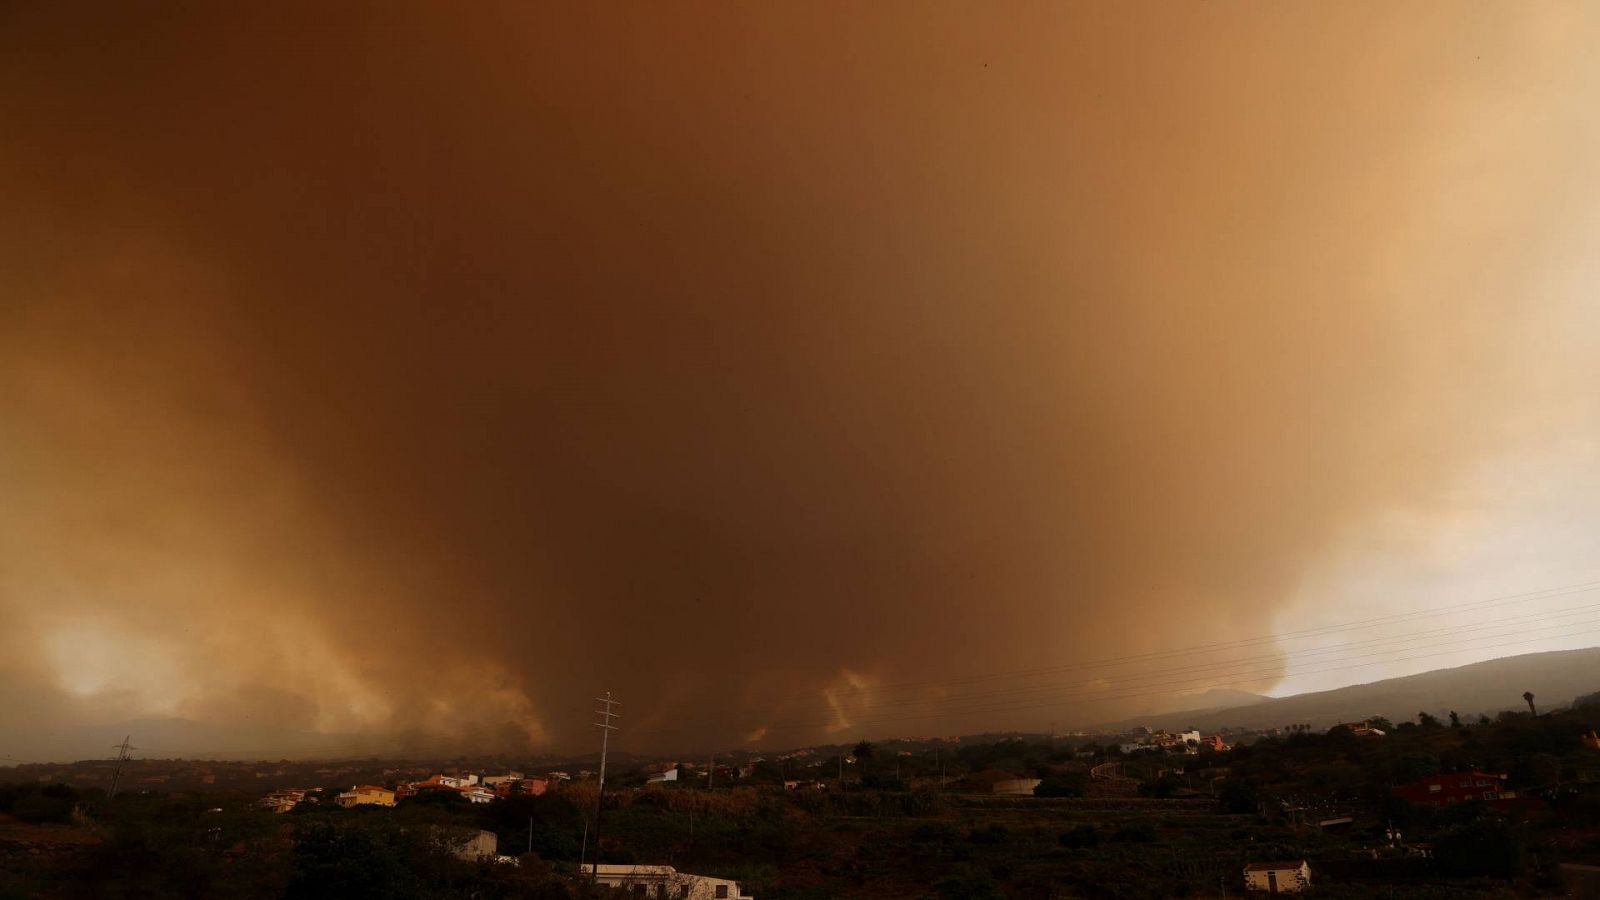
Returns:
point(1273, 866)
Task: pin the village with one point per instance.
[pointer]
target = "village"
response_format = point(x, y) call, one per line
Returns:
point(1361, 802)
point(1479, 803)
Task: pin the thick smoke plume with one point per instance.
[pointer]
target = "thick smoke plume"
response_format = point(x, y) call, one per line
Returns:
point(788, 371)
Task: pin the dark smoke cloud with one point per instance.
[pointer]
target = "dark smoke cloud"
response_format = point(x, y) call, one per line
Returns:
point(392, 368)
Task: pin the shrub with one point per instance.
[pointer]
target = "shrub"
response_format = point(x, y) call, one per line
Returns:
point(1080, 837)
point(990, 835)
point(969, 886)
point(1134, 834)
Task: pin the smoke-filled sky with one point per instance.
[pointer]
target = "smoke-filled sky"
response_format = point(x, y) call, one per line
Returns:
point(795, 371)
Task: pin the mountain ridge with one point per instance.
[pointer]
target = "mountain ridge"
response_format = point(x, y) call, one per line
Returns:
point(1555, 677)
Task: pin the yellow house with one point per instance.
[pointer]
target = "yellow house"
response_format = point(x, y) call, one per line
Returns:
point(365, 795)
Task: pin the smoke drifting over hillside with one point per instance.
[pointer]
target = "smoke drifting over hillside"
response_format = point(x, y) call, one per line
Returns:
point(401, 369)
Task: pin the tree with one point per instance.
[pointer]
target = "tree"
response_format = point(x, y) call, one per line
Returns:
point(1065, 784)
point(1485, 847)
point(1161, 788)
point(1426, 720)
point(1381, 723)
point(1527, 697)
point(356, 860)
point(863, 752)
point(1238, 796)
point(1455, 719)
point(1538, 770)
point(1413, 766)
point(1483, 719)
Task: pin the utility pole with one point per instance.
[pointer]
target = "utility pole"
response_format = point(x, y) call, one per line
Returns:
point(122, 758)
point(711, 771)
point(583, 847)
point(605, 726)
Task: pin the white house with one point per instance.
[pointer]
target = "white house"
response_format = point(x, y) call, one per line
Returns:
point(480, 845)
point(665, 881)
point(1015, 787)
point(1278, 877)
point(492, 780)
point(478, 795)
point(668, 775)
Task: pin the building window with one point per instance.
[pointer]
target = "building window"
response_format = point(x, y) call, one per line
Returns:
point(722, 890)
point(1490, 795)
point(1435, 788)
point(683, 890)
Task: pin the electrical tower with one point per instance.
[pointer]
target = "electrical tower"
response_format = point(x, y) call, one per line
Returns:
point(122, 758)
point(605, 726)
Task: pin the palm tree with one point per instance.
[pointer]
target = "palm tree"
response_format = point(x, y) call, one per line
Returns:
point(1528, 696)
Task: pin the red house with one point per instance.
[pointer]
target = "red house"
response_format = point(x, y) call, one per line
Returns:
point(526, 787)
point(1459, 787)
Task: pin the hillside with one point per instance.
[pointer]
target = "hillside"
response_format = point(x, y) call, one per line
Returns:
point(1555, 678)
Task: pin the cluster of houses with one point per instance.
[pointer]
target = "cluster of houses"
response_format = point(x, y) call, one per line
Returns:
point(284, 800)
point(1361, 729)
point(674, 771)
point(1191, 742)
point(474, 788)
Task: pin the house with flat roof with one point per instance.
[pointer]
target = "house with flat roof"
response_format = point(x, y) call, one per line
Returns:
point(666, 882)
point(1290, 877)
point(366, 795)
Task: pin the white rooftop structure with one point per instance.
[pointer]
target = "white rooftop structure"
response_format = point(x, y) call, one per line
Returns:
point(667, 882)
